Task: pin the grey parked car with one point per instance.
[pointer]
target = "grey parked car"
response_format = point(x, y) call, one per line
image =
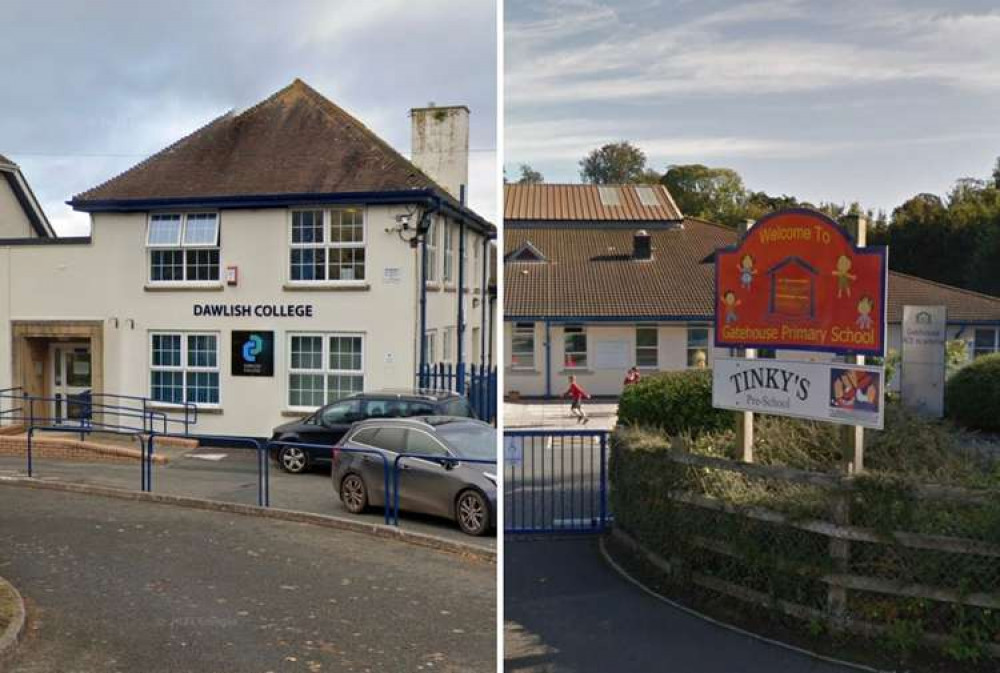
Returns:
point(442, 484)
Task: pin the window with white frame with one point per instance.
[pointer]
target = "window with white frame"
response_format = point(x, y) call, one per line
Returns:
point(647, 348)
point(430, 346)
point(575, 347)
point(184, 367)
point(984, 342)
point(447, 343)
point(476, 273)
point(449, 252)
point(323, 368)
point(522, 346)
point(327, 246)
point(432, 236)
point(183, 248)
point(697, 346)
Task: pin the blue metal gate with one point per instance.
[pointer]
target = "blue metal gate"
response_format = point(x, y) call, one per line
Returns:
point(555, 481)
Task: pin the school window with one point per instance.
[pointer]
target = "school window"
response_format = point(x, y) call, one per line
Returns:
point(522, 346)
point(447, 342)
point(575, 347)
point(475, 346)
point(184, 367)
point(430, 347)
point(647, 347)
point(697, 347)
point(476, 275)
point(183, 248)
point(323, 368)
point(985, 342)
point(432, 236)
point(449, 252)
point(327, 246)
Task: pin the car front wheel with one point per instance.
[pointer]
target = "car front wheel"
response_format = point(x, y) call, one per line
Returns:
point(354, 494)
point(472, 513)
point(293, 459)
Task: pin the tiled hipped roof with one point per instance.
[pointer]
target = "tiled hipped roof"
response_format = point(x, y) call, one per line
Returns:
point(590, 272)
point(583, 202)
point(295, 142)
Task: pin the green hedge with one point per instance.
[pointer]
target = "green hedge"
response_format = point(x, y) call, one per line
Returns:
point(972, 395)
point(675, 402)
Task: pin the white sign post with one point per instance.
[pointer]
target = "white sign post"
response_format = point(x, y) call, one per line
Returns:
point(824, 391)
point(922, 370)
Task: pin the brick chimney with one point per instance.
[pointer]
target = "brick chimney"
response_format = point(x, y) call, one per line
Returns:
point(642, 245)
point(439, 145)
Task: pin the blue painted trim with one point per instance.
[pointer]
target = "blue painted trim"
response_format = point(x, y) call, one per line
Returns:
point(388, 197)
point(878, 250)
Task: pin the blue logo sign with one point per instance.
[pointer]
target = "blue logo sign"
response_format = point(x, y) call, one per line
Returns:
point(252, 348)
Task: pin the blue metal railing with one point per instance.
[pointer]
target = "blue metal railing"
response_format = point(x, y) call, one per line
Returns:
point(397, 466)
point(35, 409)
point(478, 383)
point(555, 481)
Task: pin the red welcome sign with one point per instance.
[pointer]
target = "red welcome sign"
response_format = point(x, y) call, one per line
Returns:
point(796, 282)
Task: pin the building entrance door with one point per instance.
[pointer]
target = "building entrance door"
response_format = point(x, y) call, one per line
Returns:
point(71, 382)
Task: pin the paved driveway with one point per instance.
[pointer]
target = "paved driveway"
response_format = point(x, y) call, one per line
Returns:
point(568, 612)
point(229, 475)
point(554, 414)
point(115, 585)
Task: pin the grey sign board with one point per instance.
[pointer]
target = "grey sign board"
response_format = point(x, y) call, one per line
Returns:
point(923, 362)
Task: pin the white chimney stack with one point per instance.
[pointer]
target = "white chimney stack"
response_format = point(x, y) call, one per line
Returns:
point(440, 145)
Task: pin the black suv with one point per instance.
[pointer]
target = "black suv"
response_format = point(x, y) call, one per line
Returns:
point(327, 425)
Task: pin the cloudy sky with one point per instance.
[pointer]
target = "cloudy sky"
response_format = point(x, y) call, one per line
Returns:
point(831, 101)
point(91, 88)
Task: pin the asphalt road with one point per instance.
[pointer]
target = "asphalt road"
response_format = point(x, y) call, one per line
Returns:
point(230, 475)
point(125, 586)
point(566, 611)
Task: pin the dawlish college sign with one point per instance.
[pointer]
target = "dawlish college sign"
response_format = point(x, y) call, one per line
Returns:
point(797, 282)
point(827, 391)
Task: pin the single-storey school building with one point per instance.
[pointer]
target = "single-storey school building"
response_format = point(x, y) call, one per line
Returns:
point(601, 278)
point(268, 263)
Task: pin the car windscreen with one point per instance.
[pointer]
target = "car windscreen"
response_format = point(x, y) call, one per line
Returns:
point(470, 440)
point(457, 407)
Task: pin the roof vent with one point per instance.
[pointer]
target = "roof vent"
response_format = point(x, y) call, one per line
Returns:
point(642, 247)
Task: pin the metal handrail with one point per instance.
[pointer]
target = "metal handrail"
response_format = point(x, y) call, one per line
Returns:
point(422, 456)
point(375, 452)
point(150, 417)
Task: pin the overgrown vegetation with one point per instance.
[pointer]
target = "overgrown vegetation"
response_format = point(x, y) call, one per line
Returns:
point(788, 563)
point(674, 402)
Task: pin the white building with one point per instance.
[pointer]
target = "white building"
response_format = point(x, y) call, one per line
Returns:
point(600, 278)
point(264, 265)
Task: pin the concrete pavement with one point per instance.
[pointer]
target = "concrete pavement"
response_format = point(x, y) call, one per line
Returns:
point(128, 586)
point(555, 414)
point(566, 611)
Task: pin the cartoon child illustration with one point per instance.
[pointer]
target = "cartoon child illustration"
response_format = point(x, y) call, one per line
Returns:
point(731, 302)
point(844, 277)
point(855, 389)
point(747, 272)
point(865, 305)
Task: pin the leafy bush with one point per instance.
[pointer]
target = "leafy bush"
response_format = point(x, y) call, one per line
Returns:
point(674, 402)
point(972, 395)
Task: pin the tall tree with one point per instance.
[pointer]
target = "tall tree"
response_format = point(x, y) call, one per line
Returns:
point(529, 176)
point(716, 194)
point(614, 164)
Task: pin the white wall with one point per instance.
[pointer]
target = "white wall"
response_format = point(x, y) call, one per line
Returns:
point(107, 280)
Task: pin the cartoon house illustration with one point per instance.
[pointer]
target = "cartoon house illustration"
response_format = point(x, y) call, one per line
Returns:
point(792, 287)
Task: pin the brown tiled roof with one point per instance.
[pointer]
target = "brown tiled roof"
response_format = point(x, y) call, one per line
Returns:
point(583, 202)
point(295, 142)
point(590, 272)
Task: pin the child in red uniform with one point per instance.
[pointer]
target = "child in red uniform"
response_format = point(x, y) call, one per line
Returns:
point(578, 394)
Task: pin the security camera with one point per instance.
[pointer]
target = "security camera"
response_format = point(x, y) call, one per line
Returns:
point(404, 220)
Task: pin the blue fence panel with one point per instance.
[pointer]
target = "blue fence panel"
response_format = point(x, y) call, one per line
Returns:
point(555, 481)
point(478, 383)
